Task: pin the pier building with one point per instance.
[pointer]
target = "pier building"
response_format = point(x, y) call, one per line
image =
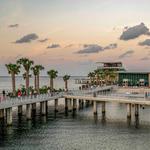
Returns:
point(134, 79)
point(116, 66)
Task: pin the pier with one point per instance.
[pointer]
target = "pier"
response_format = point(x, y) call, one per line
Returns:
point(73, 100)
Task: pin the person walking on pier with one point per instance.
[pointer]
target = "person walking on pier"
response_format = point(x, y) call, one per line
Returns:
point(35, 93)
point(146, 94)
point(19, 94)
point(4, 94)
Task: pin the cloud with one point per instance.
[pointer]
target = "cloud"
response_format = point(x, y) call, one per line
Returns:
point(13, 26)
point(85, 55)
point(27, 38)
point(68, 46)
point(43, 40)
point(126, 27)
point(91, 48)
point(134, 32)
point(87, 62)
point(126, 54)
point(145, 58)
point(53, 46)
point(145, 43)
point(94, 48)
point(111, 46)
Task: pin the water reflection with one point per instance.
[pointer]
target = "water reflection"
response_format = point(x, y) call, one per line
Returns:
point(2, 122)
point(33, 112)
point(43, 119)
point(95, 118)
point(74, 113)
point(137, 122)
point(9, 130)
point(129, 121)
point(103, 120)
point(29, 124)
point(66, 112)
point(68, 129)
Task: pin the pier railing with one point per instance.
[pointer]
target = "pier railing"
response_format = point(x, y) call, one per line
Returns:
point(29, 99)
point(94, 95)
point(12, 102)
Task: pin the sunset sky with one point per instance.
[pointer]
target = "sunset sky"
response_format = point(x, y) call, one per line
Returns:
point(71, 35)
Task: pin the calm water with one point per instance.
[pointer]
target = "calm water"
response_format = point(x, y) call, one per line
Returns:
point(5, 82)
point(82, 131)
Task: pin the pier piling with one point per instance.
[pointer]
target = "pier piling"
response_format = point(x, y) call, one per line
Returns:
point(66, 105)
point(103, 108)
point(20, 110)
point(87, 103)
point(46, 105)
point(1, 113)
point(28, 111)
point(34, 107)
point(95, 108)
point(56, 105)
point(74, 104)
point(9, 116)
point(128, 110)
point(70, 104)
point(43, 108)
point(136, 110)
point(82, 104)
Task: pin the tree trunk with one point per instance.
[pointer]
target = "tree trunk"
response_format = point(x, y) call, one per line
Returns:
point(35, 82)
point(38, 83)
point(51, 83)
point(66, 85)
point(90, 80)
point(27, 82)
point(13, 84)
point(97, 80)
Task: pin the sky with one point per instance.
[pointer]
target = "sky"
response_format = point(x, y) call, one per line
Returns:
point(72, 35)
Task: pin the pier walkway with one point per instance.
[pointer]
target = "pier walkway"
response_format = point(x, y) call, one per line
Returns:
point(14, 102)
point(90, 96)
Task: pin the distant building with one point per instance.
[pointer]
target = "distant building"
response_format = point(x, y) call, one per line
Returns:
point(134, 79)
point(117, 66)
point(126, 78)
point(123, 77)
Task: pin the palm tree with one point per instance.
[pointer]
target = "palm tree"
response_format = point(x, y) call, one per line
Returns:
point(52, 74)
point(107, 76)
point(99, 73)
point(91, 75)
point(27, 64)
point(112, 76)
point(36, 71)
point(66, 78)
point(24, 76)
point(35, 76)
point(13, 69)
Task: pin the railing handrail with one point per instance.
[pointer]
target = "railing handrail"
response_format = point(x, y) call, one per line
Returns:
point(52, 95)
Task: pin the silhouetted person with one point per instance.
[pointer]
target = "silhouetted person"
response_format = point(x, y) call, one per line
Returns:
point(19, 94)
point(4, 94)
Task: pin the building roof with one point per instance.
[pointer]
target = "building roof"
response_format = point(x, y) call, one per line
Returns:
point(135, 72)
point(119, 62)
